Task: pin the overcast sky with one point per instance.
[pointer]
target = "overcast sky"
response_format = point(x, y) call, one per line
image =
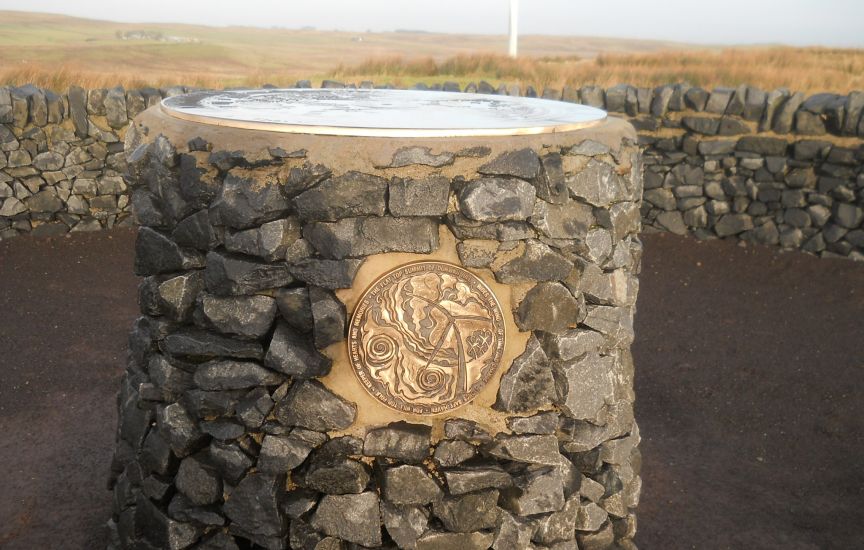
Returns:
point(798, 22)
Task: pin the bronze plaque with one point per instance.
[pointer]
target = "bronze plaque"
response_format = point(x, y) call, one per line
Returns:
point(426, 337)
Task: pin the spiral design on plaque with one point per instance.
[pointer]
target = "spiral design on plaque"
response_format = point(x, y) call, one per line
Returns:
point(426, 337)
point(380, 349)
point(431, 380)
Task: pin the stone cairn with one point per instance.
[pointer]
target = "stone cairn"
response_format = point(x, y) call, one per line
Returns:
point(227, 439)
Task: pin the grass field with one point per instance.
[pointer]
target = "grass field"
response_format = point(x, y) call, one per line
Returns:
point(55, 51)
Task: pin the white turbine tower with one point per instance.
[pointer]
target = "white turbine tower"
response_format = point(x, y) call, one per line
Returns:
point(514, 27)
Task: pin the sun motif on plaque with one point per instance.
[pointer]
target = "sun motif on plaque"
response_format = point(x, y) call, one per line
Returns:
point(426, 337)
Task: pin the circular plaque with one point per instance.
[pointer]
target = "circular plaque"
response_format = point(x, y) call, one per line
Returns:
point(381, 113)
point(426, 337)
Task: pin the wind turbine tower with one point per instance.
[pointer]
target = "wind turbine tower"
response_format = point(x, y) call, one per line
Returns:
point(514, 27)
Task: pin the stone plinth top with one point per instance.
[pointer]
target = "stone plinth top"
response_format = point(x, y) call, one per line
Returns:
point(381, 113)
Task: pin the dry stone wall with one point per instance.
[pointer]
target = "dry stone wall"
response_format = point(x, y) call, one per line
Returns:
point(774, 168)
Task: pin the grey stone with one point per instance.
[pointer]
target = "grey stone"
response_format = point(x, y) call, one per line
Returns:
point(602, 539)
point(719, 100)
point(353, 237)
point(223, 430)
point(476, 478)
point(523, 164)
point(540, 423)
point(696, 99)
point(598, 185)
point(12, 207)
point(400, 441)
point(548, 307)
point(295, 307)
point(467, 513)
point(537, 491)
point(337, 476)
point(310, 405)
point(231, 462)
point(551, 185)
point(195, 343)
point(570, 344)
point(349, 195)
point(249, 198)
point(496, 199)
point(167, 377)
point(198, 482)
point(331, 274)
point(78, 110)
point(254, 407)
point(234, 375)
point(477, 252)
point(236, 275)
point(660, 103)
point(754, 104)
point(701, 125)
point(354, 518)
point(512, 533)
point(854, 108)
point(593, 96)
point(246, 316)
point(404, 524)
point(465, 430)
point(48, 161)
point(294, 354)
point(847, 215)
point(269, 241)
point(449, 452)
point(809, 124)
point(253, 505)
point(328, 315)
point(536, 262)
point(177, 295)
point(614, 322)
point(765, 146)
point(732, 224)
point(160, 530)
point(558, 526)
point(584, 386)
point(531, 449)
point(409, 485)
point(785, 113)
point(672, 222)
point(434, 540)
point(565, 221)
point(178, 429)
point(45, 200)
point(730, 126)
point(155, 253)
point(419, 197)
point(298, 502)
point(115, 108)
point(661, 198)
point(408, 156)
point(528, 383)
point(590, 517)
point(718, 146)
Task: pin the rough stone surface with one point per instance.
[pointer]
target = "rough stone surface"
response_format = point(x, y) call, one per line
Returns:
point(400, 440)
point(529, 383)
point(497, 199)
point(409, 485)
point(350, 195)
point(247, 316)
point(354, 518)
point(467, 513)
point(548, 307)
point(356, 237)
point(294, 354)
point(310, 405)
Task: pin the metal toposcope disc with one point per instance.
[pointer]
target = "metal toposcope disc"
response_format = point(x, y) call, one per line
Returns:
point(426, 337)
point(381, 113)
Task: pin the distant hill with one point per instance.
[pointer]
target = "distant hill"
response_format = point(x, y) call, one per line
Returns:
point(87, 48)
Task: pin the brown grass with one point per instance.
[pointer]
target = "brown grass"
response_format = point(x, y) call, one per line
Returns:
point(55, 51)
point(801, 69)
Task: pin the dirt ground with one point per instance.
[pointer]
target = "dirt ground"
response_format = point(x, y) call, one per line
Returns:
point(750, 385)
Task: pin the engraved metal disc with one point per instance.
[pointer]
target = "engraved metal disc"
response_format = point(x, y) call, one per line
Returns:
point(426, 337)
point(381, 113)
